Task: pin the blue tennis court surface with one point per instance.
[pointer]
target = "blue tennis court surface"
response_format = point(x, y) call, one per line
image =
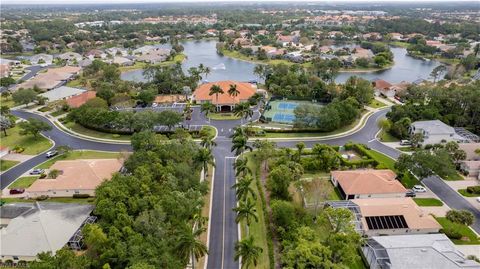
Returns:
point(283, 118)
point(287, 106)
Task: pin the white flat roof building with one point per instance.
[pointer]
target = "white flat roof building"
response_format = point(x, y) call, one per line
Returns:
point(61, 93)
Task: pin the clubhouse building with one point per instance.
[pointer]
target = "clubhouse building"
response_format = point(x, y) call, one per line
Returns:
point(224, 101)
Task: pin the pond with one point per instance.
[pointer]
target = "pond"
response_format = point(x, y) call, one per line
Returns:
point(406, 68)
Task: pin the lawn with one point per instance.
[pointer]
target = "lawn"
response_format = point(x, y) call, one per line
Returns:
point(428, 202)
point(6, 164)
point(89, 200)
point(400, 44)
point(80, 154)
point(406, 149)
point(93, 133)
point(376, 104)
point(467, 194)
point(32, 145)
point(258, 229)
point(23, 182)
point(382, 159)
point(387, 137)
point(313, 186)
point(7, 101)
point(453, 177)
point(463, 229)
point(222, 116)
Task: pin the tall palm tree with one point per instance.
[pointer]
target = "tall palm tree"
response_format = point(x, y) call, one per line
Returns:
point(238, 131)
point(190, 246)
point(243, 111)
point(233, 91)
point(241, 167)
point(204, 157)
point(215, 89)
point(207, 142)
point(300, 147)
point(207, 108)
point(259, 70)
point(207, 71)
point(248, 251)
point(243, 188)
point(246, 211)
point(240, 144)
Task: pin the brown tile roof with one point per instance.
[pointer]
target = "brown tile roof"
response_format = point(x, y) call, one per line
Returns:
point(368, 181)
point(469, 149)
point(78, 100)
point(246, 90)
point(381, 84)
point(78, 175)
point(406, 207)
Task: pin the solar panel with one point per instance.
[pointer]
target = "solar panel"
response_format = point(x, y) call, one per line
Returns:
point(386, 222)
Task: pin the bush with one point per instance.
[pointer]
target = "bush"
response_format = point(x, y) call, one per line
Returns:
point(18, 149)
point(460, 216)
point(81, 195)
point(452, 233)
point(473, 189)
point(42, 198)
point(43, 175)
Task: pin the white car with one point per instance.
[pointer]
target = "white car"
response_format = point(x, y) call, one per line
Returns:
point(478, 199)
point(419, 188)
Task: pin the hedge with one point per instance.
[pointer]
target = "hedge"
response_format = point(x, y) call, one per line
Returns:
point(473, 189)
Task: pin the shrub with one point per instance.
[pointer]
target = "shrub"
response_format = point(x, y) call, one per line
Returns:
point(43, 175)
point(460, 216)
point(473, 189)
point(81, 195)
point(452, 233)
point(42, 198)
point(54, 173)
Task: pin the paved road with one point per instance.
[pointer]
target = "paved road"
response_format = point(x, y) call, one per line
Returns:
point(59, 138)
point(224, 232)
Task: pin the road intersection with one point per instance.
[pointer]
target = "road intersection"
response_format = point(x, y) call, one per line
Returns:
point(224, 231)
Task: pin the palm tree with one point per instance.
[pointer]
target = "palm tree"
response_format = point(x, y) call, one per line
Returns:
point(249, 252)
point(243, 111)
point(207, 142)
point(232, 91)
point(246, 211)
point(243, 188)
point(259, 70)
point(215, 89)
point(238, 131)
point(241, 167)
point(207, 71)
point(207, 108)
point(300, 147)
point(204, 157)
point(240, 144)
point(189, 246)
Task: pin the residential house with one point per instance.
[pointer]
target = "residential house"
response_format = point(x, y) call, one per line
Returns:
point(144, 50)
point(394, 216)
point(242, 41)
point(61, 93)
point(286, 40)
point(211, 32)
point(115, 51)
point(70, 57)
point(383, 88)
point(28, 229)
point(4, 70)
point(76, 177)
point(400, 87)
point(155, 56)
point(95, 54)
point(426, 251)
point(54, 77)
point(78, 100)
point(229, 32)
point(9, 62)
point(435, 132)
point(41, 59)
point(224, 101)
point(122, 61)
point(368, 183)
point(397, 36)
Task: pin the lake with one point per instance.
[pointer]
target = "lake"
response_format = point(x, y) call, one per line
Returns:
point(406, 68)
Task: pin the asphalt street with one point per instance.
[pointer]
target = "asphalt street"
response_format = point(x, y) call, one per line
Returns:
point(224, 230)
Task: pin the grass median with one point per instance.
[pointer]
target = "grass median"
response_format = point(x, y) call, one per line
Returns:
point(428, 202)
point(31, 145)
point(6, 164)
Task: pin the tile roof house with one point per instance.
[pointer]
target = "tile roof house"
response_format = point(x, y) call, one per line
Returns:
point(29, 229)
point(435, 132)
point(155, 56)
point(76, 177)
point(41, 59)
point(390, 216)
point(78, 100)
point(70, 57)
point(426, 251)
point(355, 184)
point(224, 102)
point(382, 87)
point(51, 79)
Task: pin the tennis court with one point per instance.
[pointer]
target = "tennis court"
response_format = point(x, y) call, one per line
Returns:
point(281, 111)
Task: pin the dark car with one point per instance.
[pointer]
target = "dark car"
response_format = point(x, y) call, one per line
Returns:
point(17, 191)
point(410, 193)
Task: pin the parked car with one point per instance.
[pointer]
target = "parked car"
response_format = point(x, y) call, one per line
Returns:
point(51, 153)
point(17, 191)
point(405, 143)
point(419, 188)
point(478, 199)
point(37, 171)
point(410, 193)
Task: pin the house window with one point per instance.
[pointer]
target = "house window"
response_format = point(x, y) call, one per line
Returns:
point(77, 191)
point(15, 258)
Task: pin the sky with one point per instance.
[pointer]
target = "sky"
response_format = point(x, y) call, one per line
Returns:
point(160, 1)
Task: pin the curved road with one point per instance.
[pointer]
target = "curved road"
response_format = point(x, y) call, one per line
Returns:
point(224, 230)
